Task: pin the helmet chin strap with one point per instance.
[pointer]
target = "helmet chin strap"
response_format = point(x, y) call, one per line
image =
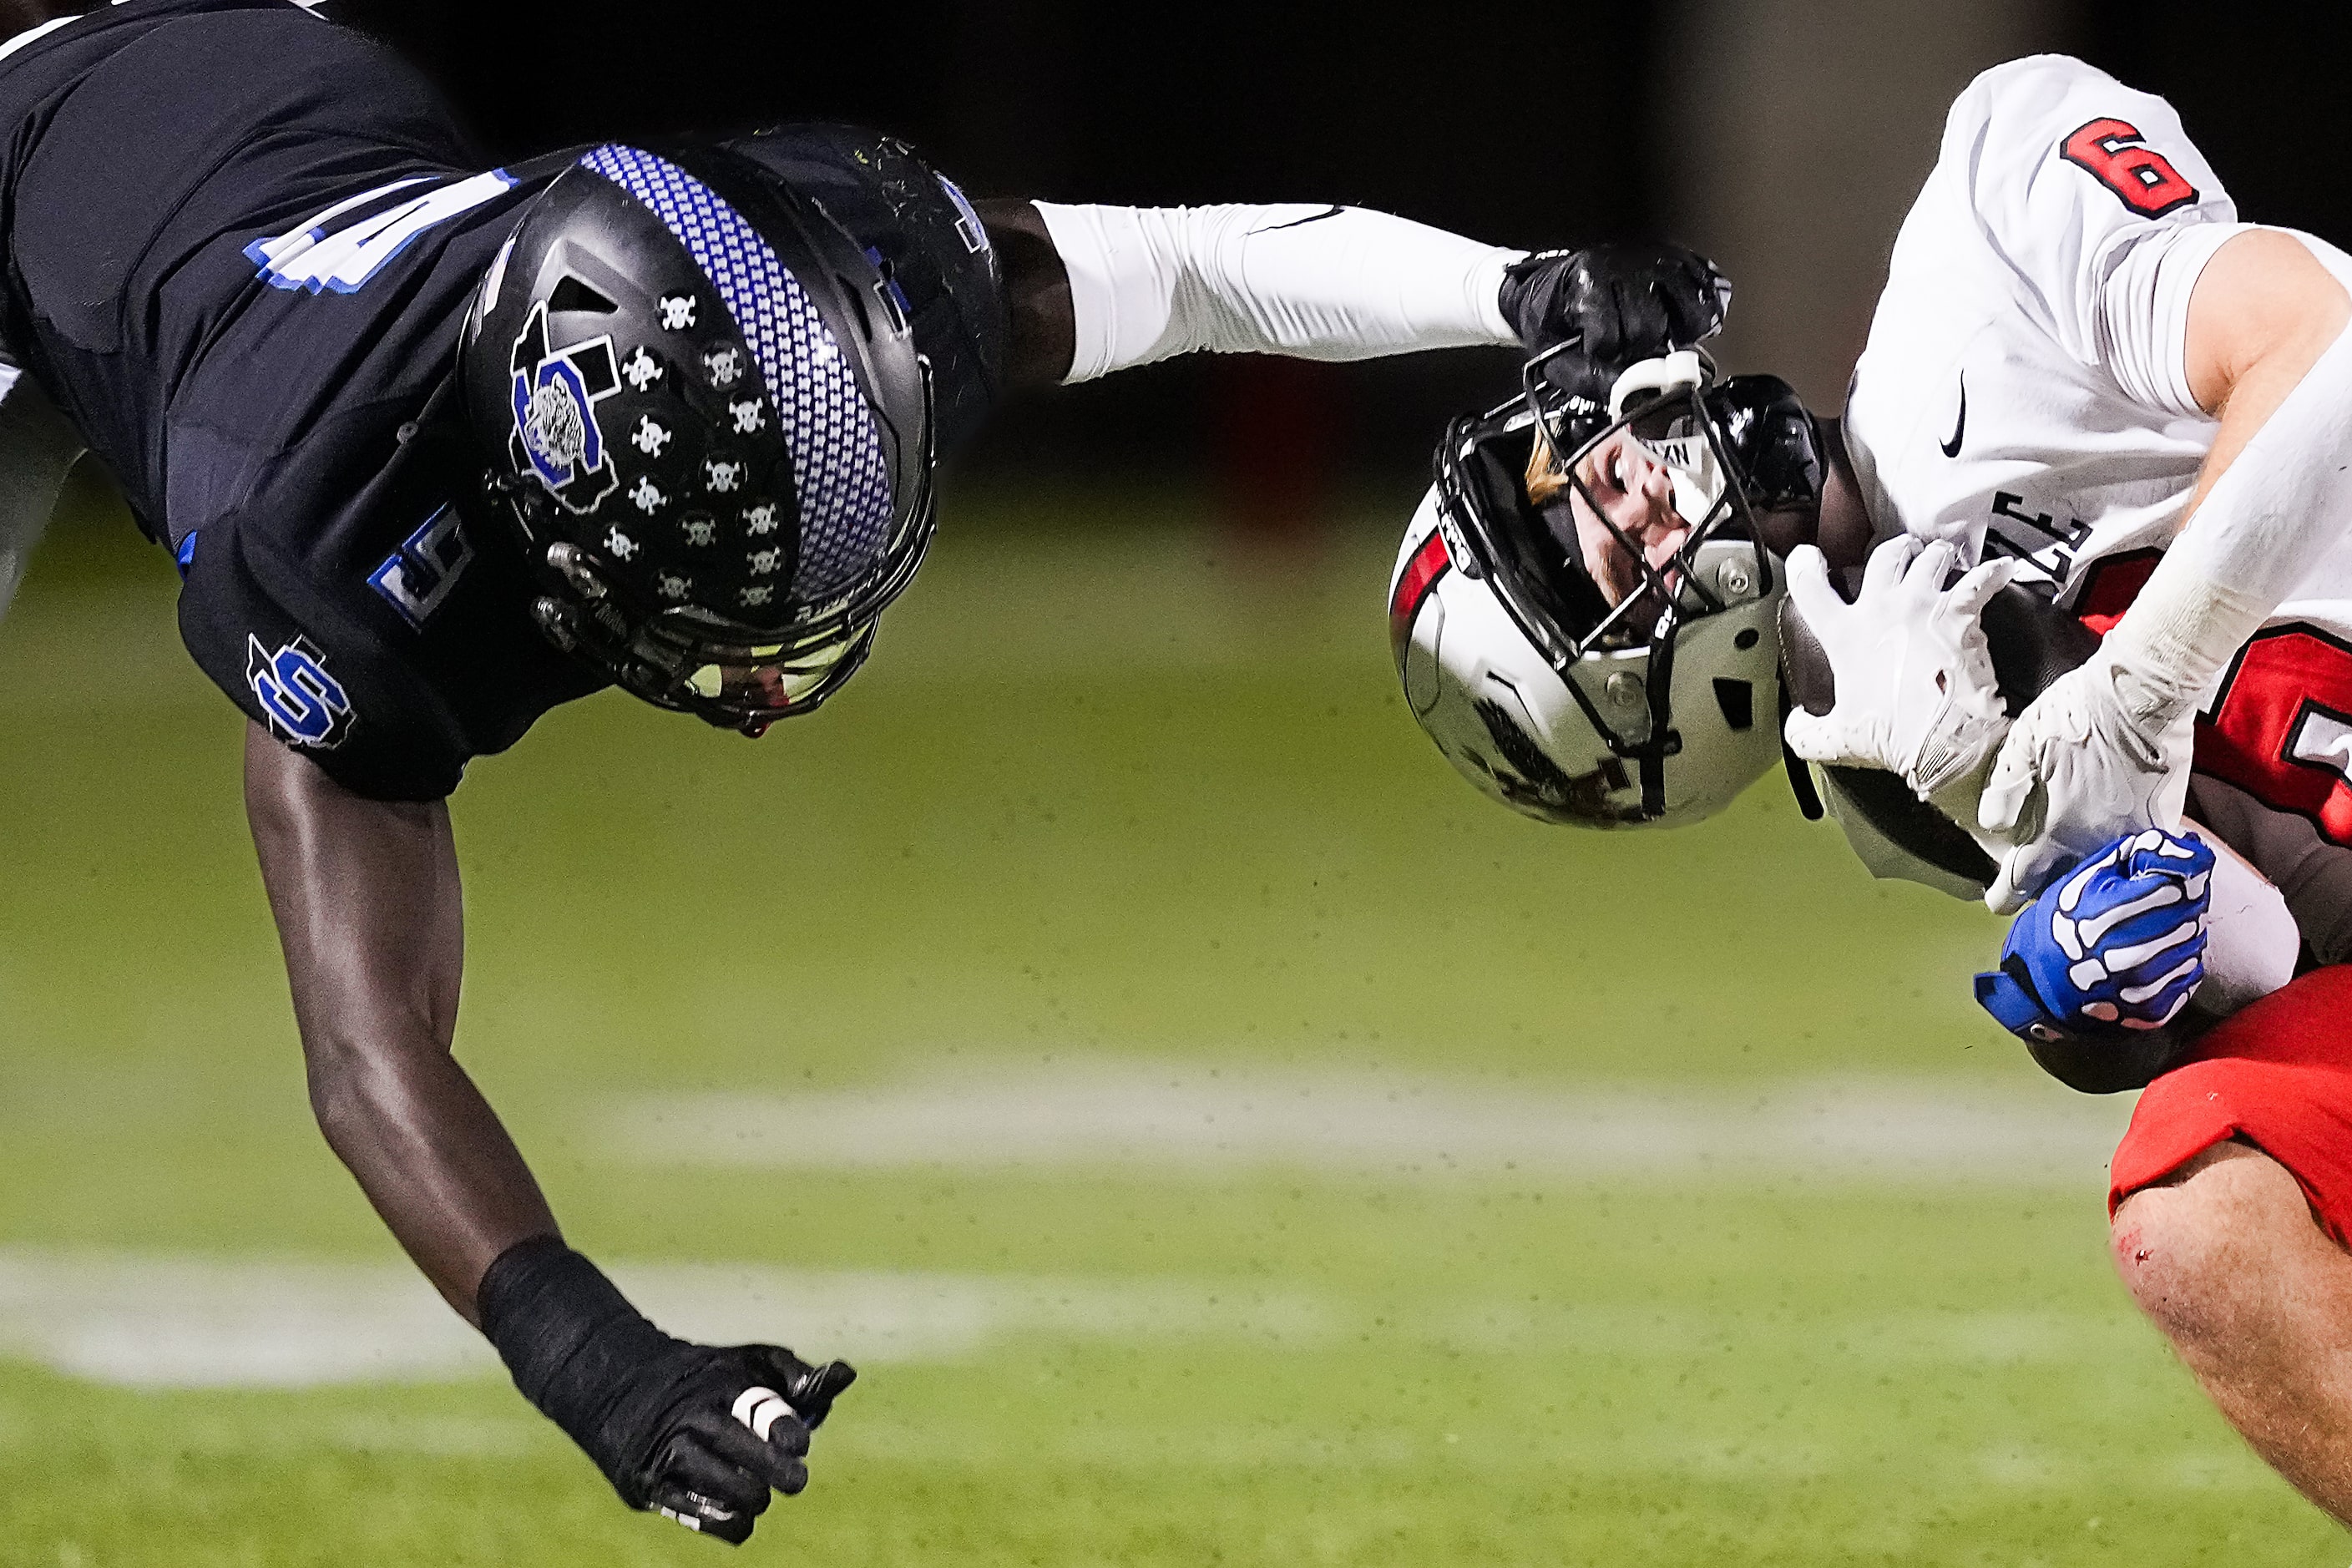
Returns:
point(1658, 688)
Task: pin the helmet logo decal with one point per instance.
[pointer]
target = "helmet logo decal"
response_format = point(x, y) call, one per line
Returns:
point(641, 369)
point(555, 395)
point(1533, 782)
point(840, 472)
point(677, 312)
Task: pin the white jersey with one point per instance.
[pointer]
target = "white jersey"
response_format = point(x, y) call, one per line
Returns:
point(2024, 392)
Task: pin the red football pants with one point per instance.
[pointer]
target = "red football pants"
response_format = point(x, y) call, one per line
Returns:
point(2277, 1075)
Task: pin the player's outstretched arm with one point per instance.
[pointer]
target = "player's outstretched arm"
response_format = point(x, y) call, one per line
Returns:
point(366, 897)
point(2105, 747)
point(365, 893)
point(1094, 289)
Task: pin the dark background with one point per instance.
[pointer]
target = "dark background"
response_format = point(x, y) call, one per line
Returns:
point(1526, 124)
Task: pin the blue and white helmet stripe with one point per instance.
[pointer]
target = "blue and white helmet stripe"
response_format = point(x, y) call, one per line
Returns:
point(838, 466)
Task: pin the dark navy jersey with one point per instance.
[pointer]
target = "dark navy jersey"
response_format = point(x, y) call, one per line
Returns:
point(238, 244)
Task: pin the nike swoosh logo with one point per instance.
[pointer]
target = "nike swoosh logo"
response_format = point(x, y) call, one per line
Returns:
point(1300, 222)
point(1952, 448)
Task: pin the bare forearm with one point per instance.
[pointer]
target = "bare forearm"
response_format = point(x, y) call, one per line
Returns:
point(366, 899)
point(1037, 291)
point(431, 1155)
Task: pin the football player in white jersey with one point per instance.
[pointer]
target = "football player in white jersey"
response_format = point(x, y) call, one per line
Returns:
point(2085, 366)
point(2084, 362)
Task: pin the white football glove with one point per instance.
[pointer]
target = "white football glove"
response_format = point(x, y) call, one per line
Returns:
point(1916, 694)
point(2103, 751)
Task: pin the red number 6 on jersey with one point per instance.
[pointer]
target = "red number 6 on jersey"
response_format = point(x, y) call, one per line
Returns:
point(2142, 178)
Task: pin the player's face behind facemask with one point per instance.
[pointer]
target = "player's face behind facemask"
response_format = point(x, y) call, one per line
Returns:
point(1650, 697)
point(712, 435)
point(1630, 500)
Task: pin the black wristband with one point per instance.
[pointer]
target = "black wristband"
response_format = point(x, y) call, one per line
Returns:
point(570, 1338)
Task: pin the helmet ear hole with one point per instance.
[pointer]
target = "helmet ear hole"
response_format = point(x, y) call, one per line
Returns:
point(1736, 699)
point(574, 294)
point(856, 299)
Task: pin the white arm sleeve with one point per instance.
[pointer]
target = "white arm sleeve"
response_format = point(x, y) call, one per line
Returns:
point(1314, 282)
point(37, 448)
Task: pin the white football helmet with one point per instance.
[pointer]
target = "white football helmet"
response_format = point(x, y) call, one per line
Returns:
point(1659, 709)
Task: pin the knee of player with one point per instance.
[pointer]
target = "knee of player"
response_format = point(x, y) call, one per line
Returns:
point(2185, 1246)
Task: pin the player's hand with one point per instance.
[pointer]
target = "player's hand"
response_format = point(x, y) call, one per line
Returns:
point(2116, 944)
point(1619, 304)
point(2101, 751)
point(1913, 676)
point(703, 1433)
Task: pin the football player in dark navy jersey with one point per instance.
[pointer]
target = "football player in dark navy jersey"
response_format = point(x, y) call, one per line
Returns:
point(437, 448)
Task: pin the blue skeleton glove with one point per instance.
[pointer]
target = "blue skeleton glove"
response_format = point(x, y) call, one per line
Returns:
point(2115, 944)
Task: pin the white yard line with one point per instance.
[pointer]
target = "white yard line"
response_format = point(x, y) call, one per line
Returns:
point(163, 1321)
point(1173, 1118)
point(188, 1322)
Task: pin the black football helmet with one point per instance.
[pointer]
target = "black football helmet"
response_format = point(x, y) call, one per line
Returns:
point(707, 413)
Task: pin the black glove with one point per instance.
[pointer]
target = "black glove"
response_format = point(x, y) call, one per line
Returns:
point(702, 1433)
point(699, 1433)
point(1619, 304)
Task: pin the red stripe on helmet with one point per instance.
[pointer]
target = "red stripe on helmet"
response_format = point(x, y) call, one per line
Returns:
point(1420, 575)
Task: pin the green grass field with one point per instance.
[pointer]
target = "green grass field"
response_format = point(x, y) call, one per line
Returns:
point(1475, 1214)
